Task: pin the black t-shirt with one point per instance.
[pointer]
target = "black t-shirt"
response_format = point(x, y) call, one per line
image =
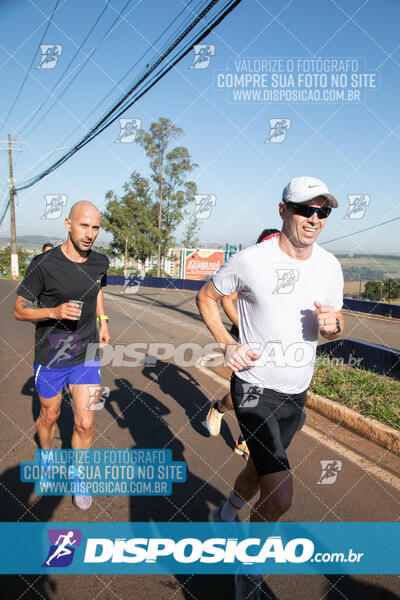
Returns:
point(52, 279)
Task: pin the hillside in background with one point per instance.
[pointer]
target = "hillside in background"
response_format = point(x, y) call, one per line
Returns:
point(356, 267)
point(34, 242)
point(370, 267)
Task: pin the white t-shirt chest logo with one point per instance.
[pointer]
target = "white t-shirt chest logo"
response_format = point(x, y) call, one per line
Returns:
point(286, 280)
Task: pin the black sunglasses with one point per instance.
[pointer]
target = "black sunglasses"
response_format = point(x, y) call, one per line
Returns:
point(304, 210)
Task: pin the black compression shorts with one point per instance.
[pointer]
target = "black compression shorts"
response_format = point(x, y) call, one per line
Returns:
point(234, 331)
point(268, 420)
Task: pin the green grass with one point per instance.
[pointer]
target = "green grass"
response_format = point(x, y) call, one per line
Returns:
point(372, 395)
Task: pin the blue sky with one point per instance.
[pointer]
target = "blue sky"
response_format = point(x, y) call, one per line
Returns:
point(353, 145)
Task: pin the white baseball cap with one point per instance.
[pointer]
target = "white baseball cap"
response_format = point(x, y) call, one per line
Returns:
point(301, 189)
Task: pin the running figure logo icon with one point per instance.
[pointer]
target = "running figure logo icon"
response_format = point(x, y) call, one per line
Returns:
point(54, 206)
point(62, 547)
point(128, 130)
point(278, 129)
point(330, 470)
point(202, 56)
point(251, 396)
point(50, 55)
point(286, 280)
point(357, 206)
point(132, 283)
point(63, 348)
point(203, 205)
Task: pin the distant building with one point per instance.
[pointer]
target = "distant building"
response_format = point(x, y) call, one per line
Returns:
point(182, 263)
point(170, 264)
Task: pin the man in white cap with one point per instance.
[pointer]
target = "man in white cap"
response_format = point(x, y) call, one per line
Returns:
point(289, 289)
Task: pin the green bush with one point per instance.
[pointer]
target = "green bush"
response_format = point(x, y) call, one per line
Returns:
point(115, 271)
point(5, 261)
point(153, 273)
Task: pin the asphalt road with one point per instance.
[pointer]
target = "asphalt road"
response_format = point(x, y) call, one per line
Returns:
point(164, 405)
point(377, 330)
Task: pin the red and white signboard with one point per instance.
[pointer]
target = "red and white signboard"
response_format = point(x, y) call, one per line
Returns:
point(14, 266)
point(202, 263)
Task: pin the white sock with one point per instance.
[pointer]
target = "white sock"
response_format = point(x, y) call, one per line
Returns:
point(231, 507)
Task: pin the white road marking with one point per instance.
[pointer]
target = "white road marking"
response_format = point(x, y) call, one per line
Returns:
point(169, 319)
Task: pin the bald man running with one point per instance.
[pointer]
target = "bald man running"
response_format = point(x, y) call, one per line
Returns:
point(66, 282)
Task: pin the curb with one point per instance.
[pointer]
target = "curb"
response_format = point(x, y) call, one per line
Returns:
point(374, 431)
point(367, 315)
point(383, 435)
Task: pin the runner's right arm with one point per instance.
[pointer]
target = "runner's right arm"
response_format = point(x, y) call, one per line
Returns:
point(237, 356)
point(26, 310)
point(31, 287)
point(228, 304)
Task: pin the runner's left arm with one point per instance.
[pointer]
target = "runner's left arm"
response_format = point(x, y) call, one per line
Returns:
point(327, 316)
point(104, 332)
point(329, 311)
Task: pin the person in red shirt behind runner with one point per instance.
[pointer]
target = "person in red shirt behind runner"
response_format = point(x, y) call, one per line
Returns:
point(66, 282)
point(289, 289)
point(219, 407)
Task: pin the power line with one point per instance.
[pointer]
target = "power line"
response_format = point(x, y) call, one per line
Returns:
point(30, 67)
point(65, 89)
point(108, 119)
point(31, 117)
point(81, 68)
point(156, 77)
point(202, 2)
point(360, 231)
point(143, 74)
point(129, 71)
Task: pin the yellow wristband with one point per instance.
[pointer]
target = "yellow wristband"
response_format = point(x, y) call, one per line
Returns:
point(102, 318)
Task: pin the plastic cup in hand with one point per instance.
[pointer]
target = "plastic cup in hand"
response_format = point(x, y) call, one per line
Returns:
point(80, 304)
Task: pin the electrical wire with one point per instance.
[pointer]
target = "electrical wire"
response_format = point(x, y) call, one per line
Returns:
point(142, 77)
point(127, 73)
point(359, 231)
point(5, 186)
point(81, 68)
point(30, 67)
point(110, 117)
point(23, 126)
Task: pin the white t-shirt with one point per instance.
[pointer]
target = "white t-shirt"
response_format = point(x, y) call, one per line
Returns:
point(276, 295)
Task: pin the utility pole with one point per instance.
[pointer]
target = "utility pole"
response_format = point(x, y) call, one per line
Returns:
point(13, 233)
point(160, 217)
point(13, 244)
point(126, 257)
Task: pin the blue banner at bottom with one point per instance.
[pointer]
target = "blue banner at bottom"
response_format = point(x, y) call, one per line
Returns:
point(213, 548)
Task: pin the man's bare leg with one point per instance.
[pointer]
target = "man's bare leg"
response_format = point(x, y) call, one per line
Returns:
point(46, 422)
point(246, 487)
point(276, 492)
point(275, 497)
point(82, 437)
point(226, 403)
point(83, 434)
point(247, 483)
